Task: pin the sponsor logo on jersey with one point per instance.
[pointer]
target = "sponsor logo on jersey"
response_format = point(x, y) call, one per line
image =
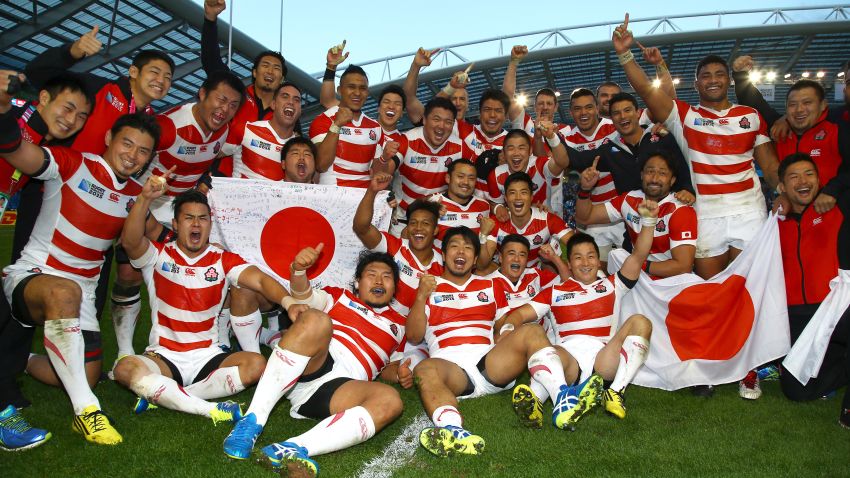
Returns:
point(703, 122)
point(358, 307)
point(531, 290)
point(406, 269)
point(114, 197)
point(372, 135)
point(565, 296)
point(255, 143)
point(211, 275)
point(418, 160)
point(130, 203)
point(203, 148)
point(189, 271)
point(600, 288)
point(724, 121)
point(660, 226)
point(744, 123)
point(462, 296)
point(815, 152)
point(344, 131)
point(187, 150)
point(443, 298)
point(74, 329)
point(579, 147)
point(821, 135)
point(92, 188)
point(817, 220)
point(483, 297)
point(114, 101)
point(632, 218)
point(170, 267)
point(357, 132)
point(394, 329)
point(449, 217)
point(448, 162)
point(538, 239)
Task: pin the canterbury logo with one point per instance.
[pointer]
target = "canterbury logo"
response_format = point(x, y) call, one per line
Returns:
point(283, 357)
point(72, 330)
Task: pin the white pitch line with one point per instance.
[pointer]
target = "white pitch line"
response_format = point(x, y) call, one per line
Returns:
point(397, 453)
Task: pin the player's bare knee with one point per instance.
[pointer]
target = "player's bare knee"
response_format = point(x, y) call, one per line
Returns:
point(126, 275)
point(243, 301)
point(128, 370)
point(640, 325)
point(385, 406)
point(251, 368)
point(313, 325)
point(62, 300)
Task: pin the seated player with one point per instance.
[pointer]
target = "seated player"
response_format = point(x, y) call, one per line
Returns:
point(459, 206)
point(187, 281)
point(584, 310)
point(86, 200)
point(674, 244)
point(545, 172)
point(326, 363)
point(415, 256)
point(538, 226)
point(454, 315)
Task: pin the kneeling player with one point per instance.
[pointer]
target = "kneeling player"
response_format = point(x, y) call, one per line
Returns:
point(454, 314)
point(187, 281)
point(326, 362)
point(585, 308)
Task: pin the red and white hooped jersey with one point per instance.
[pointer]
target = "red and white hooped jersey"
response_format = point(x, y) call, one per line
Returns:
point(371, 335)
point(409, 270)
point(676, 226)
point(360, 141)
point(183, 144)
point(460, 215)
point(186, 294)
point(256, 152)
point(719, 148)
point(82, 213)
point(604, 190)
point(530, 283)
point(422, 169)
point(478, 142)
point(579, 309)
point(543, 228)
point(526, 123)
point(543, 182)
point(394, 135)
point(463, 315)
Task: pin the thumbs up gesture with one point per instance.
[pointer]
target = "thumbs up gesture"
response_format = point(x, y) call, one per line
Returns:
point(405, 376)
point(86, 45)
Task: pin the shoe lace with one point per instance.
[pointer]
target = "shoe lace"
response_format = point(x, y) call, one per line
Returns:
point(458, 432)
point(16, 423)
point(242, 431)
point(751, 380)
point(96, 420)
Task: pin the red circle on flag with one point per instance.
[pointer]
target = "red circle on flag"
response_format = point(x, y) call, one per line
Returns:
point(292, 229)
point(711, 321)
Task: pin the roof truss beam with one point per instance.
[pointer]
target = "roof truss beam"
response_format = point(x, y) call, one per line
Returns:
point(42, 22)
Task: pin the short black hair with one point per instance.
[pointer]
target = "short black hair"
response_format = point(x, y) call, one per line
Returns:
point(807, 83)
point(579, 92)
point(710, 60)
point(467, 234)
point(141, 121)
point(218, 77)
point(296, 141)
point(519, 176)
point(623, 96)
point(189, 196)
point(580, 238)
point(274, 54)
point(422, 204)
point(353, 70)
point(284, 85)
point(440, 102)
point(457, 162)
point(394, 89)
point(517, 133)
point(144, 57)
point(608, 83)
point(664, 155)
point(67, 82)
point(494, 94)
point(369, 257)
point(793, 158)
point(546, 92)
point(518, 238)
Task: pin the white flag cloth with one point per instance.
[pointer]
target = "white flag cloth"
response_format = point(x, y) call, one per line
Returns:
point(806, 356)
point(714, 331)
point(268, 222)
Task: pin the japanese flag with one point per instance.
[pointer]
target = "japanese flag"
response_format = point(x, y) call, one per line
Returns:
point(268, 222)
point(714, 331)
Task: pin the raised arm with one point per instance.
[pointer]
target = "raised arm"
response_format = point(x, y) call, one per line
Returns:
point(60, 59)
point(560, 157)
point(415, 108)
point(746, 92)
point(210, 53)
point(648, 218)
point(488, 245)
point(417, 319)
point(23, 155)
point(368, 234)
point(518, 52)
point(587, 212)
point(660, 103)
point(327, 148)
point(336, 55)
point(133, 238)
point(548, 254)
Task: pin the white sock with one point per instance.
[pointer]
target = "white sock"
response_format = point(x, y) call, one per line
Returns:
point(632, 356)
point(545, 366)
point(63, 341)
point(125, 314)
point(283, 370)
point(223, 324)
point(539, 390)
point(337, 432)
point(222, 382)
point(164, 391)
point(270, 337)
point(247, 330)
point(447, 415)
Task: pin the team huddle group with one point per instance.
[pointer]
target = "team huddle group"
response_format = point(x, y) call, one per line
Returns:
point(467, 289)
